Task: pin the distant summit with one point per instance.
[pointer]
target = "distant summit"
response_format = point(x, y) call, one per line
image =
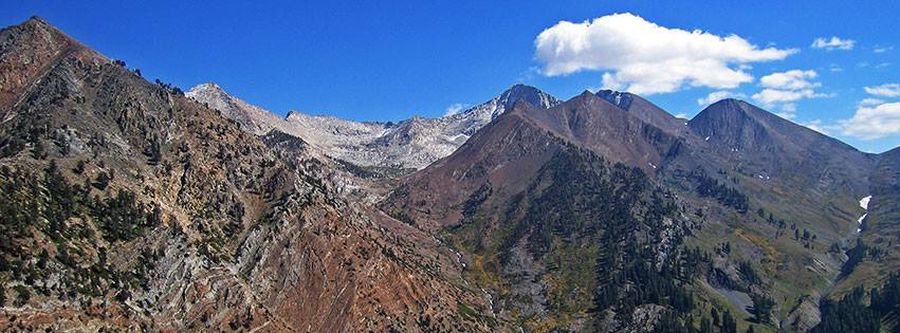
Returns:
point(413, 143)
point(531, 95)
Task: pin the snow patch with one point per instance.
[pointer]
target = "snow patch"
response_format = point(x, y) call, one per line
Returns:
point(457, 137)
point(864, 204)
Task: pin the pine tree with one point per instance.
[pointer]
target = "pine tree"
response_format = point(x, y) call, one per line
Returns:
point(102, 181)
point(762, 308)
point(79, 167)
point(729, 325)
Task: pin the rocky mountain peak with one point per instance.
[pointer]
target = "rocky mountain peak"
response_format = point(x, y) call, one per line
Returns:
point(37, 21)
point(617, 98)
point(209, 92)
point(250, 117)
point(36, 30)
point(732, 118)
point(584, 101)
point(208, 87)
point(529, 94)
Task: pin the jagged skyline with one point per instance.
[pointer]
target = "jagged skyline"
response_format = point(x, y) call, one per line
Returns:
point(379, 62)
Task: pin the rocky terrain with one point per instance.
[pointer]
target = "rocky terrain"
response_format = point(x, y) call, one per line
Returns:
point(129, 205)
point(410, 144)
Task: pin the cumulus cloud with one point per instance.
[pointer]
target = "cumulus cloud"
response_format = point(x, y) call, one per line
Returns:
point(791, 80)
point(835, 43)
point(787, 87)
point(716, 96)
point(885, 90)
point(873, 122)
point(454, 109)
point(645, 58)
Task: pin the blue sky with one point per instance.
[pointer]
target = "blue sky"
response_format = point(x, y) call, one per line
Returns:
point(388, 60)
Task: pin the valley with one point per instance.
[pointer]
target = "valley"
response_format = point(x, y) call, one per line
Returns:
point(131, 205)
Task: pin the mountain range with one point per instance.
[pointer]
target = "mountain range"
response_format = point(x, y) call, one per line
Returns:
point(131, 205)
point(409, 144)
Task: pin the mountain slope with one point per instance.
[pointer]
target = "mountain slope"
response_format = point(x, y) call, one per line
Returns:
point(541, 209)
point(772, 146)
point(127, 206)
point(412, 143)
point(513, 199)
point(645, 110)
point(803, 186)
point(250, 117)
point(611, 132)
point(774, 158)
point(511, 149)
point(878, 253)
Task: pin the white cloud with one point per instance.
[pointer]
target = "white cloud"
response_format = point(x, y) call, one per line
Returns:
point(645, 58)
point(873, 122)
point(716, 96)
point(882, 49)
point(788, 111)
point(790, 80)
point(772, 96)
point(835, 68)
point(870, 101)
point(886, 90)
point(682, 116)
point(788, 87)
point(835, 43)
point(454, 109)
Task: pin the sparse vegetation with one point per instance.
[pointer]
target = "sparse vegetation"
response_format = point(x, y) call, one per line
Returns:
point(711, 188)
